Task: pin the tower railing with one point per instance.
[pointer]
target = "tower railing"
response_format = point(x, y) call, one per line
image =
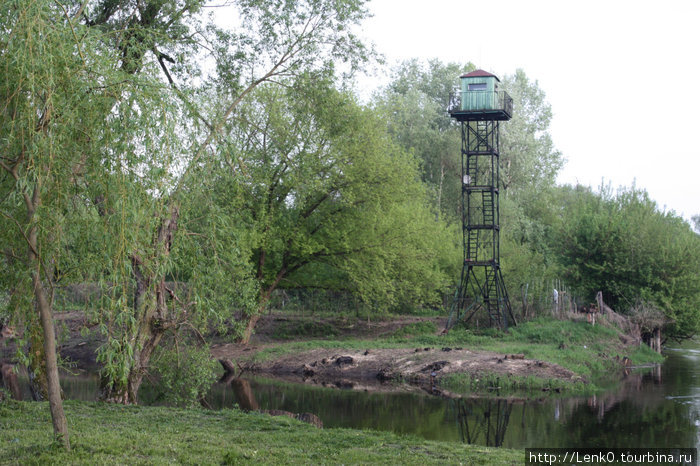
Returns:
point(481, 101)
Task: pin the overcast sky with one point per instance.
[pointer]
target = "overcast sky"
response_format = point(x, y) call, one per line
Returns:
point(620, 76)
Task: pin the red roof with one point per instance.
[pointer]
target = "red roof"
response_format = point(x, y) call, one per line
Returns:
point(480, 74)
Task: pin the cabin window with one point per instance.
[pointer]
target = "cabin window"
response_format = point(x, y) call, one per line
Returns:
point(477, 87)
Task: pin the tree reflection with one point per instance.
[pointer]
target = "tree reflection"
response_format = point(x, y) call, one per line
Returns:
point(483, 422)
point(244, 394)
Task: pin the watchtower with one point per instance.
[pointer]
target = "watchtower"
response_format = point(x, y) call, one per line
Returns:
point(480, 108)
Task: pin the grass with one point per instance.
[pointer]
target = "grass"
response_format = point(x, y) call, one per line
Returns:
point(304, 329)
point(592, 352)
point(585, 349)
point(416, 328)
point(114, 434)
point(498, 385)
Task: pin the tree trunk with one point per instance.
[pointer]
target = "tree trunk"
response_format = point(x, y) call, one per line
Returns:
point(149, 334)
point(38, 385)
point(43, 307)
point(657, 339)
point(140, 367)
point(151, 309)
point(264, 300)
point(439, 196)
point(250, 326)
point(523, 295)
point(599, 301)
point(60, 426)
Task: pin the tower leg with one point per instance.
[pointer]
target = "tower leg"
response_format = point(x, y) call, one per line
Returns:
point(487, 292)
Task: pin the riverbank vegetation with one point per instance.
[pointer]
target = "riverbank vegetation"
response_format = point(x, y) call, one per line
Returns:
point(174, 180)
point(591, 352)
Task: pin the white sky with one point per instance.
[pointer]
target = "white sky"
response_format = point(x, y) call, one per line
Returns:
point(620, 76)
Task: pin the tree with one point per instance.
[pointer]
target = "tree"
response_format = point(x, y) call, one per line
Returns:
point(275, 40)
point(51, 76)
point(414, 106)
point(335, 202)
point(529, 160)
point(622, 245)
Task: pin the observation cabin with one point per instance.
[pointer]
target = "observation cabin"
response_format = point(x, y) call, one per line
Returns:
point(480, 99)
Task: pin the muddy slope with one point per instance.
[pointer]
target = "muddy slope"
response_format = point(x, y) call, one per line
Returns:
point(418, 366)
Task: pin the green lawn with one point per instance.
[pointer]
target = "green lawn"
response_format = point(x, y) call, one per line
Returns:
point(113, 434)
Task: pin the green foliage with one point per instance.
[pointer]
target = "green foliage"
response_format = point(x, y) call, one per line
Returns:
point(186, 373)
point(623, 245)
point(529, 161)
point(561, 332)
point(643, 354)
point(47, 138)
point(212, 251)
point(334, 202)
point(414, 106)
point(696, 223)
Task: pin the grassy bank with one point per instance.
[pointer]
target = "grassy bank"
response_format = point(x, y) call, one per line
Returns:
point(516, 386)
point(110, 434)
point(592, 352)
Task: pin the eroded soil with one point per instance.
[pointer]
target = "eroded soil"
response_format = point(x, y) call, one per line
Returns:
point(380, 369)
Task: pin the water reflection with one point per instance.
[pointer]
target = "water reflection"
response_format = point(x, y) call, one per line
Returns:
point(655, 407)
point(482, 423)
point(244, 394)
point(648, 408)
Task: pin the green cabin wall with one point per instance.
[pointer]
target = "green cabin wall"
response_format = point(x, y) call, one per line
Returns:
point(479, 100)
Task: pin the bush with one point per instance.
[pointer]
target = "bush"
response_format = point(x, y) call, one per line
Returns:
point(186, 374)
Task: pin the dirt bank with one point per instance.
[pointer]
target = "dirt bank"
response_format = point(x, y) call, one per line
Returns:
point(372, 369)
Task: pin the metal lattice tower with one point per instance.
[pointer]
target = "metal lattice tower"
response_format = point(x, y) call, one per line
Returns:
point(480, 110)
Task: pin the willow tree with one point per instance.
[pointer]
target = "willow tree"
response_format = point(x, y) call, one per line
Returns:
point(57, 87)
point(272, 40)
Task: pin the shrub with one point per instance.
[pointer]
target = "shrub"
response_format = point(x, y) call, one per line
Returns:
point(186, 374)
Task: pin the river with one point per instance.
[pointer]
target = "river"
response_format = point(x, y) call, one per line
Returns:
point(652, 407)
